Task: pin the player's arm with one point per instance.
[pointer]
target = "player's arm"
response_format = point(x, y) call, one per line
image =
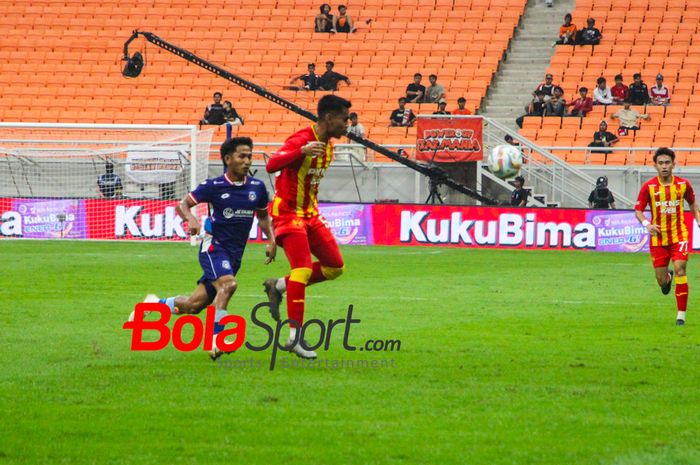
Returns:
point(184, 210)
point(266, 227)
point(651, 228)
point(292, 151)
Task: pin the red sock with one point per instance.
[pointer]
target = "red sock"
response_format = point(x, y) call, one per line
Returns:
point(316, 274)
point(682, 293)
point(296, 293)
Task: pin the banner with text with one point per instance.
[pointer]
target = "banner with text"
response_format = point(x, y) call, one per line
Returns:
point(449, 140)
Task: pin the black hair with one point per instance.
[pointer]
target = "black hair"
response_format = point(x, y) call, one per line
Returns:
point(329, 62)
point(218, 93)
point(311, 64)
point(109, 167)
point(323, 5)
point(230, 145)
point(342, 6)
point(618, 76)
point(229, 102)
point(568, 15)
point(417, 75)
point(433, 76)
point(402, 98)
point(461, 99)
point(600, 80)
point(585, 89)
point(664, 151)
point(637, 75)
point(508, 138)
point(590, 20)
point(539, 92)
point(331, 104)
point(352, 115)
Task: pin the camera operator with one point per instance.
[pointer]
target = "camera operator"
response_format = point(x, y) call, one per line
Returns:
point(601, 197)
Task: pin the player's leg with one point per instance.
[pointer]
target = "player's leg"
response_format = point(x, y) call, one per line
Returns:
point(661, 257)
point(194, 303)
point(679, 255)
point(323, 246)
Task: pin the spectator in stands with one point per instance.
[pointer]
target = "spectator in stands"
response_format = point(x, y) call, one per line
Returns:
point(660, 94)
point(556, 106)
point(629, 119)
point(518, 198)
point(442, 108)
point(619, 91)
point(601, 197)
point(214, 113)
point(567, 32)
point(232, 118)
point(311, 80)
point(547, 87)
point(342, 22)
point(355, 128)
point(535, 108)
point(589, 35)
point(109, 185)
point(435, 92)
point(603, 138)
point(460, 110)
point(402, 116)
point(330, 79)
point(602, 94)
point(638, 91)
point(582, 105)
point(509, 140)
point(324, 21)
point(415, 91)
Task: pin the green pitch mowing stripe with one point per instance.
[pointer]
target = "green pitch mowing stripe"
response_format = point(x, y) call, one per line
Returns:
point(507, 357)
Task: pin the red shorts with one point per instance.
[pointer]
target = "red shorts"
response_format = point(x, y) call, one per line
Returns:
point(315, 228)
point(661, 255)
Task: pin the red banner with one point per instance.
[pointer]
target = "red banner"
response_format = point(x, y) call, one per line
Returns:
point(450, 140)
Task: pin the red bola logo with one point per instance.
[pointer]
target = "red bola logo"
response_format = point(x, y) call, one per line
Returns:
point(201, 331)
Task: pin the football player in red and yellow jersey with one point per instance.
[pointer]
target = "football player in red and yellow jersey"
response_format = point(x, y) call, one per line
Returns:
point(299, 228)
point(669, 234)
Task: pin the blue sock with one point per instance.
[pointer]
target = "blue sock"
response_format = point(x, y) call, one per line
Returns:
point(219, 315)
point(170, 302)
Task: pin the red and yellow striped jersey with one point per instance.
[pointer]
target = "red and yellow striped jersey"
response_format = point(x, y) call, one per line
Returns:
point(666, 203)
point(297, 183)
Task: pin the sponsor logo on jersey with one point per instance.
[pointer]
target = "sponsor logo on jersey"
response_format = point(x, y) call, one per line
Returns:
point(252, 196)
point(225, 196)
point(228, 213)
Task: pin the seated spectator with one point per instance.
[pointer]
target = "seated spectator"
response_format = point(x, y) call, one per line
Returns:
point(231, 117)
point(435, 92)
point(509, 140)
point(535, 108)
point(556, 106)
point(330, 79)
point(402, 116)
point(343, 22)
point(460, 110)
point(547, 87)
point(660, 94)
point(310, 80)
point(602, 94)
point(629, 119)
point(415, 91)
point(355, 128)
point(324, 21)
point(638, 91)
point(589, 35)
point(214, 113)
point(603, 138)
point(109, 185)
point(442, 108)
point(567, 32)
point(619, 91)
point(582, 105)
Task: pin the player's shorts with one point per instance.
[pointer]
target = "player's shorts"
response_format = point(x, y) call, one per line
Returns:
point(315, 228)
point(216, 261)
point(661, 255)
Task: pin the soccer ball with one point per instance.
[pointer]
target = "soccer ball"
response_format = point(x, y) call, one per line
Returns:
point(505, 161)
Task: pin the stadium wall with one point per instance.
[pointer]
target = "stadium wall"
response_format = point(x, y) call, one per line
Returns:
point(354, 224)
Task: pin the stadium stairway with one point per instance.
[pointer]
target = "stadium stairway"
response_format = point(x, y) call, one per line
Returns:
point(527, 60)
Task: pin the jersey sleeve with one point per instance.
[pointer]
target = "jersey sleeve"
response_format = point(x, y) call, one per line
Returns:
point(263, 198)
point(202, 193)
point(642, 199)
point(288, 154)
point(689, 194)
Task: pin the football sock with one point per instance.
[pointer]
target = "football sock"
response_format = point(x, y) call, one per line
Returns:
point(170, 302)
point(296, 294)
point(281, 285)
point(217, 317)
point(680, 316)
point(682, 293)
point(292, 333)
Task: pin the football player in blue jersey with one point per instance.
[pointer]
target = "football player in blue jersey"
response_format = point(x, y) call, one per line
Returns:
point(234, 199)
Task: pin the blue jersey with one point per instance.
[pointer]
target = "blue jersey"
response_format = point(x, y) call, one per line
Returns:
point(232, 207)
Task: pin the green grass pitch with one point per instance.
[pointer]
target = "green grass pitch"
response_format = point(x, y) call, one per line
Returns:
point(507, 357)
